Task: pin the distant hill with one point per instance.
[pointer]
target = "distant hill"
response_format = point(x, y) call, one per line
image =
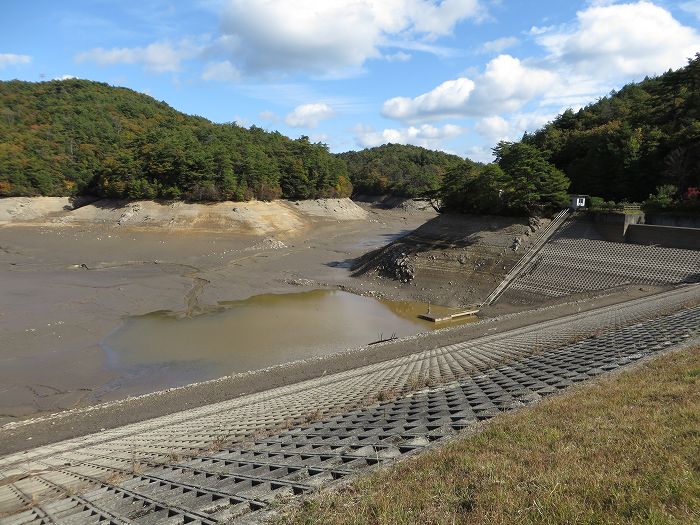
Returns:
point(70, 137)
point(629, 143)
point(395, 169)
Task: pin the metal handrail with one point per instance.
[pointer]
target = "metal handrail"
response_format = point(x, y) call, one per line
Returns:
point(527, 257)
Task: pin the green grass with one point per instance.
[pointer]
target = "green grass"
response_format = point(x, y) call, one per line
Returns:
point(625, 449)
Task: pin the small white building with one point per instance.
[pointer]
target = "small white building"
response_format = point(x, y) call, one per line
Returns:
point(579, 201)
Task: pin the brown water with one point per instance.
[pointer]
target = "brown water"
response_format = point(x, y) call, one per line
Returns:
point(258, 332)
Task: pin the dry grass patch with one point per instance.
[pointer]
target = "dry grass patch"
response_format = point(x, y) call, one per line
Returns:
point(625, 449)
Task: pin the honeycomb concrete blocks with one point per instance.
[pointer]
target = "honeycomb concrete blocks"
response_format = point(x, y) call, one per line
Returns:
point(577, 259)
point(230, 461)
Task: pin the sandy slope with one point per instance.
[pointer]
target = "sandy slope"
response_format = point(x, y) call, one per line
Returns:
point(26, 209)
point(245, 217)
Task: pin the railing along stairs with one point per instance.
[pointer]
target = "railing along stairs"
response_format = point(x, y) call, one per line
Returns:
point(544, 236)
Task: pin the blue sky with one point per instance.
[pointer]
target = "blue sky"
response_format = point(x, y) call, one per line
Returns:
point(456, 75)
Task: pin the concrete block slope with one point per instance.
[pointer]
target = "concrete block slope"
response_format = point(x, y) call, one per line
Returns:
point(229, 462)
point(575, 261)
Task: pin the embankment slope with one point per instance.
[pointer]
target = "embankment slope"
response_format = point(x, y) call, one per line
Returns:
point(452, 260)
point(255, 217)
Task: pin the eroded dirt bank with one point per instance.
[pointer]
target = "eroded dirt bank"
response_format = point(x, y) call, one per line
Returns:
point(453, 260)
point(253, 217)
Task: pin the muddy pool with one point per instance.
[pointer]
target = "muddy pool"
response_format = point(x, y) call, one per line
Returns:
point(265, 330)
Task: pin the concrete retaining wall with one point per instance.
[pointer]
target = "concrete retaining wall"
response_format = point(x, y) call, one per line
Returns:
point(673, 219)
point(613, 226)
point(665, 236)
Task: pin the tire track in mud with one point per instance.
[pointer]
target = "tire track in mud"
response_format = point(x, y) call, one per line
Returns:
point(191, 297)
point(192, 306)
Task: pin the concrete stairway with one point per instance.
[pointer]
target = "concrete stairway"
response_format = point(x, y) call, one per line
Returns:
point(536, 246)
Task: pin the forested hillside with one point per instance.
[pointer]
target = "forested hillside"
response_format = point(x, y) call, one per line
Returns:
point(521, 181)
point(76, 136)
point(395, 169)
point(630, 143)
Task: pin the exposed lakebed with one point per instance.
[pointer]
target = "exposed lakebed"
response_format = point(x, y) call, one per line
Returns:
point(64, 289)
point(262, 331)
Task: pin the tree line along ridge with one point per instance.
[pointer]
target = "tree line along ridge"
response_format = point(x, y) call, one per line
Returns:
point(74, 136)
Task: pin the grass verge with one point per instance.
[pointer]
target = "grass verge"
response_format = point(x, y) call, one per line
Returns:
point(625, 449)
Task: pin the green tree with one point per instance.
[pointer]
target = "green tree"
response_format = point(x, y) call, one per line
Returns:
point(627, 144)
point(533, 181)
point(474, 188)
point(294, 182)
point(663, 198)
point(396, 169)
point(456, 192)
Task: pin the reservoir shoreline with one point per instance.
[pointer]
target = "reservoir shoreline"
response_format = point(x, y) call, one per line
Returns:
point(86, 420)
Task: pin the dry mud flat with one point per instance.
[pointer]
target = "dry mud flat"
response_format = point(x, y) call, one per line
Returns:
point(71, 270)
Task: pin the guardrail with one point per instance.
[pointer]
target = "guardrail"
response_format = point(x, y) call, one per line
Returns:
point(617, 207)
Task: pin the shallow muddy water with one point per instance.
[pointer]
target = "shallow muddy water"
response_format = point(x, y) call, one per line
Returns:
point(255, 333)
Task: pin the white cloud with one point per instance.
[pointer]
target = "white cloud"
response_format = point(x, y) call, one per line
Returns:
point(320, 137)
point(537, 30)
point(575, 90)
point(221, 72)
point(399, 56)
point(620, 40)
point(434, 18)
point(532, 121)
point(495, 128)
point(692, 7)
point(241, 121)
point(158, 57)
point(331, 36)
point(10, 59)
point(66, 77)
point(598, 3)
point(505, 86)
point(480, 153)
point(424, 135)
point(448, 99)
point(608, 44)
point(269, 116)
point(309, 115)
point(499, 45)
